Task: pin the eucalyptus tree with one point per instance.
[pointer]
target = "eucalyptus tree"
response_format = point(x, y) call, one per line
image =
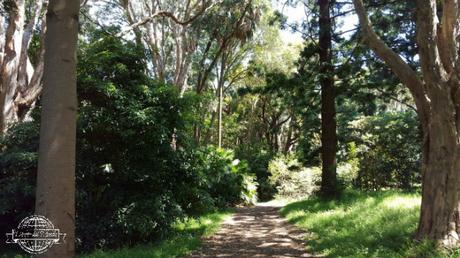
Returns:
point(186, 39)
point(435, 92)
point(226, 26)
point(165, 28)
point(21, 69)
point(224, 31)
point(230, 70)
point(269, 95)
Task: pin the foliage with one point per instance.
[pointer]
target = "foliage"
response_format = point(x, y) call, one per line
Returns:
point(359, 224)
point(388, 148)
point(347, 171)
point(128, 124)
point(143, 160)
point(258, 159)
point(132, 185)
point(220, 181)
point(185, 237)
point(291, 179)
point(18, 159)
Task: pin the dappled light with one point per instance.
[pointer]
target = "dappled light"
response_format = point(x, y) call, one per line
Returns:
point(229, 128)
point(374, 224)
point(255, 232)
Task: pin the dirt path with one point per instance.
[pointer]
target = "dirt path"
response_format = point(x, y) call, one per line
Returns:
point(254, 232)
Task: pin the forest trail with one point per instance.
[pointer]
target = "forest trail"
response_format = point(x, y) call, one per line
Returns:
point(257, 231)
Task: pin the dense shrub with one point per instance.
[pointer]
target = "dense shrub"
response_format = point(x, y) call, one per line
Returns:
point(229, 179)
point(18, 159)
point(291, 179)
point(131, 184)
point(388, 148)
point(127, 171)
point(258, 159)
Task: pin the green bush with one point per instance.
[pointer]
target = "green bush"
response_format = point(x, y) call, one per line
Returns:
point(229, 181)
point(127, 173)
point(258, 159)
point(388, 148)
point(291, 179)
point(347, 171)
point(18, 159)
point(131, 184)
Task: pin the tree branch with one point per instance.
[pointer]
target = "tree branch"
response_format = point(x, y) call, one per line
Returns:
point(205, 6)
point(383, 95)
point(448, 32)
point(427, 23)
point(402, 70)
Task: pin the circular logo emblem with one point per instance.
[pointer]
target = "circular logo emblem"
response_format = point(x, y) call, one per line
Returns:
point(35, 234)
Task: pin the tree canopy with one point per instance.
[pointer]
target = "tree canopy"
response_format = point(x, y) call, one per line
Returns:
point(120, 120)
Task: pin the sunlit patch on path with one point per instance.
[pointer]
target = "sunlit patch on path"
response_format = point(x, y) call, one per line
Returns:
point(254, 232)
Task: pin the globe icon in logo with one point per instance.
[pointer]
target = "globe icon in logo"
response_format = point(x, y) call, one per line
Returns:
point(35, 234)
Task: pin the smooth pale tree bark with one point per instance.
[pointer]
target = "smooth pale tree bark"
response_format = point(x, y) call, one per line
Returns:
point(328, 111)
point(437, 98)
point(20, 81)
point(220, 88)
point(55, 197)
point(171, 62)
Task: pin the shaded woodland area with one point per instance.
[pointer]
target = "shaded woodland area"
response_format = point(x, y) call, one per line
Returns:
point(137, 126)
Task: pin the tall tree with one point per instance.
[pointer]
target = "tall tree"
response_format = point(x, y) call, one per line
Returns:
point(230, 71)
point(437, 98)
point(165, 28)
point(55, 196)
point(220, 89)
point(20, 77)
point(225, 30)
point(328, 122)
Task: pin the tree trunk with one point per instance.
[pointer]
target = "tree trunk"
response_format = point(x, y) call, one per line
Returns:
point(328, 123)
point(220, 116)
point(437, 97)
point(439, 218)
point(20, 82)
point(10, 66)
point(209, 134)
point(55, 198)
point(220, 89)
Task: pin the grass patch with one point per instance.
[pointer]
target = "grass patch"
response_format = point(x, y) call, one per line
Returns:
point(378, 224)
point(186, 236)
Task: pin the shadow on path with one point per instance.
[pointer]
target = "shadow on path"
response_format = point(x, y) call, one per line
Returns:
point(254, 232)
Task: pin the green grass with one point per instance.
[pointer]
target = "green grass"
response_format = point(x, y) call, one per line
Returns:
point(378, 224)
point(186, 237)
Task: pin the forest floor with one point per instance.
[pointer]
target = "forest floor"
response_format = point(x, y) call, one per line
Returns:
point(257, 231)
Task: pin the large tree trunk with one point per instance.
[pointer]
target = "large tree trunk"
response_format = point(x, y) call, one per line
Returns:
point(440, 218)
point(10, 66)
point(328, 123)
point(55, 198)
point(20, 82)
point(437, 97)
